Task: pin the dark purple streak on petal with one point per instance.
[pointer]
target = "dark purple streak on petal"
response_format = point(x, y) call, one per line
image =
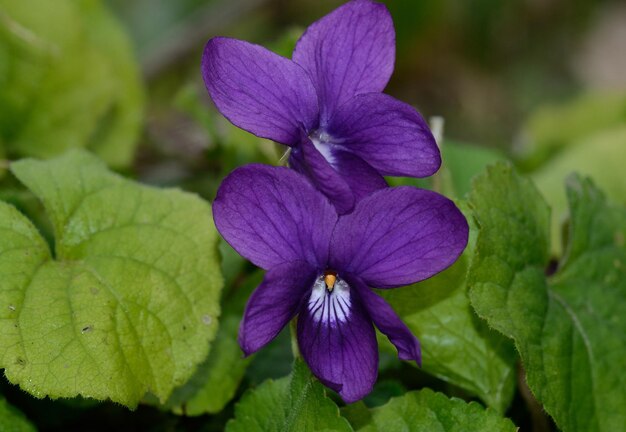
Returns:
point(273, 215)
point(347, 52)
point(388, 134)
point(398, 236)
point(273, 304)
point(259, 91)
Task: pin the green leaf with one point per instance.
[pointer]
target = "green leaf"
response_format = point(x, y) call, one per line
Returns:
point(273, 361)
point(232, 263)
point(69, 80)
point(465, 161)
point(554, 127)
point(511, 250)
point(457, 346)
point(215, 382)
point(460, 164)
point(12, 420)
point(358, 414)
point(128, 300)
point(569, 328)
point(427, 411)
point(297, 403)
point(599, 156)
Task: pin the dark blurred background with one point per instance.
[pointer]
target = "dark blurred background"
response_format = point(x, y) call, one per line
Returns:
point(484, 65)
point(540, 82)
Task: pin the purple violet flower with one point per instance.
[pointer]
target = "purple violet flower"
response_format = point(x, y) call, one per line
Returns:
point(326, 103)
point(320, 266)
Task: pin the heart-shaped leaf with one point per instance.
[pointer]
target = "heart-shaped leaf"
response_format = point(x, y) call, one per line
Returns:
point(569, 328)
point(292, 404)
point(128, 299)
point(427, 411)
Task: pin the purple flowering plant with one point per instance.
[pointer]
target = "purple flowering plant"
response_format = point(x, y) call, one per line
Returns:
point(326, 103)
point(321, 266)
point(329, 230)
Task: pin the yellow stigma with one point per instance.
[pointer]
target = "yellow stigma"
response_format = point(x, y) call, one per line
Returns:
point(329, 280)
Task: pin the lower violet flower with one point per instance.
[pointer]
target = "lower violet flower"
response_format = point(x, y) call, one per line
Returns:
point(320, 266)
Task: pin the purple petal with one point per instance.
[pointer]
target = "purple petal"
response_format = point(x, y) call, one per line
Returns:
point(307, 160)
point(390, 324)
point(259, 91)
point(273, 215)
point(358, 174)
point(338, 342)
point(398, 236)
point(388, 134)
point(273, 304)
point(347, 52)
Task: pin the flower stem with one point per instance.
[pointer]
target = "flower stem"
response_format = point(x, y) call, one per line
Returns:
point(293, 329)
point(539, 418)
point(436, 126)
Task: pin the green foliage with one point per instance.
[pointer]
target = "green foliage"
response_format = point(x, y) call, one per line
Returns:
point(601, 156)
point(460, 164)
point(11, 420)
point(457, 346)
point(215, 382)
point(427, 411)
point(128, 299)
point(568, 328)
point(296, 403)
point(586, 135)
point(69, 79)
point(552, 128)
point(464, 162)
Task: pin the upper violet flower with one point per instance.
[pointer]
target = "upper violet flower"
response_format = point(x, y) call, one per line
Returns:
point(326, 103)
point(321, 266)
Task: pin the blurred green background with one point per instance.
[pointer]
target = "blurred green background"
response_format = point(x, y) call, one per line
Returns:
point(535, 80)
point(484, 65)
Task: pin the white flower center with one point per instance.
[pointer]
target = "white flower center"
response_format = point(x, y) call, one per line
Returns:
point(323, 143)
point(330, 304)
